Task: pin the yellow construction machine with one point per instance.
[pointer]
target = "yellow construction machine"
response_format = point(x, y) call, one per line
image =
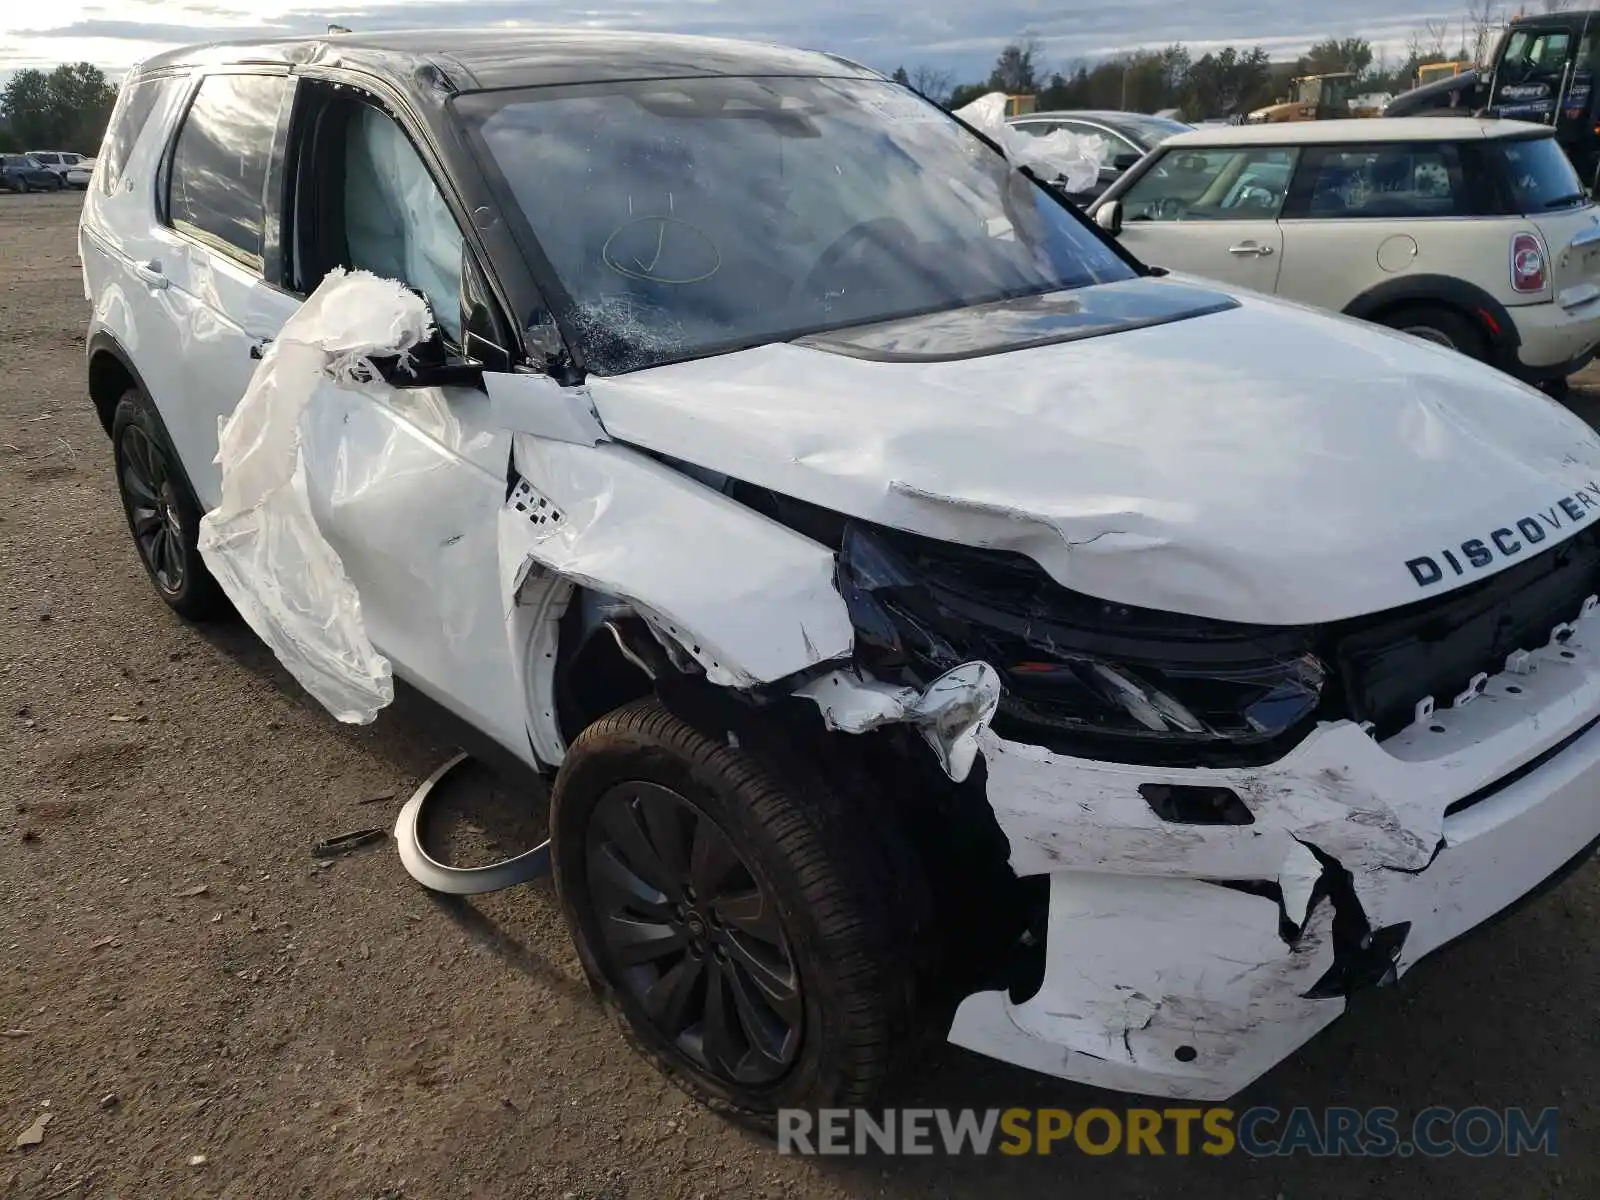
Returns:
point(1311, 98)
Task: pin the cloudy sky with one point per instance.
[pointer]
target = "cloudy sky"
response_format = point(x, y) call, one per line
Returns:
point(959, 34)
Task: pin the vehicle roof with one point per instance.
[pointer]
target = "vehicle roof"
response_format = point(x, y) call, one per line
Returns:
point(1568, 16)
point(523, 56)
point(1357, 129)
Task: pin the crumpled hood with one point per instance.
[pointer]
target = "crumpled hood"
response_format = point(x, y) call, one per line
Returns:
point(1268, 463)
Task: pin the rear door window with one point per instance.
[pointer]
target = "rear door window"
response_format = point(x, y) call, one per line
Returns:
point(1395, 181)
point(219, 165)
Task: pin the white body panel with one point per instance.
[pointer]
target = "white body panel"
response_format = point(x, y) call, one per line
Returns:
point(1241, 254)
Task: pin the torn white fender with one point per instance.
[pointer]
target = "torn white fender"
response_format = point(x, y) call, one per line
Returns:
point(950, 712)
point(1071, 158)
point(262, 542)
point(749, 599)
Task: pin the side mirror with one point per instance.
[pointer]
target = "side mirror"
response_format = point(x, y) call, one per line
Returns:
point(429, 364)
point(1123, 161)
point(1109, 217)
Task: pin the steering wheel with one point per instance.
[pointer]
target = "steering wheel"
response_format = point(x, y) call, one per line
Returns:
point(1169, 208)
point(1252, 196)
point(888, 232)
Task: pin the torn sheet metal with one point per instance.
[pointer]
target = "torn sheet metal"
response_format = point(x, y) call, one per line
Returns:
point(1297, 880)
point(1071, 160)
point(458, 881)
point(526, 402)
point(1419, 838)
point(262, 542)
point(950, 712)
point(749, 599)
point(1163, 987)
point(1173, 495)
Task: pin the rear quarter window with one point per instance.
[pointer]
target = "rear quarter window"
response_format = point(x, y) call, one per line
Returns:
point(1538, 175)
point(135, 102)
point(1393, 180)
point(219, 167)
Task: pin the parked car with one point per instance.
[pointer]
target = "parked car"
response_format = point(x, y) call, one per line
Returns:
point(1452, 96)
point(1127, 136)
point(74, 169)
point(21, 173)
point(1475, 234)
point(931, 620)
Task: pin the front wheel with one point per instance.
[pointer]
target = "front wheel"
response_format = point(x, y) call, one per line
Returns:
point(746, 931)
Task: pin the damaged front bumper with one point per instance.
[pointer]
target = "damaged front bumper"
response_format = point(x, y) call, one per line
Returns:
point(1185, 956)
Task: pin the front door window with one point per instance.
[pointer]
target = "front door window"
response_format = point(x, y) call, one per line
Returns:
point(1223, 184)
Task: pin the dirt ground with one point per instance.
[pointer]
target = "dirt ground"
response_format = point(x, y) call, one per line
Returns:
point(180, 978)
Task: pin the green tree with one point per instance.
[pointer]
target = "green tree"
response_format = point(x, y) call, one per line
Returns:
point(66, 109)
point(966, 93)
point(932, 83)
point(1016, 70)
point(1335, 55)
point(901, 77)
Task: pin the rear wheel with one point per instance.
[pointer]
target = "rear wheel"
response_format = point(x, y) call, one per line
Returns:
point(163, 516)
point(1441, 326)
point(750, 934)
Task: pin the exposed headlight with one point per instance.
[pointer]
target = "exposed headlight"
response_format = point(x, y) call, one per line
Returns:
point(1075, 669)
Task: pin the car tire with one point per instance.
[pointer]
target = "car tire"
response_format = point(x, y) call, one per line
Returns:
point(816, 977)
point(162, 513)
point(1557, 389)
point(1441, 326)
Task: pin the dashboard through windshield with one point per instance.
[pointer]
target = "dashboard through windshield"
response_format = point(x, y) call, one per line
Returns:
point(687, 217)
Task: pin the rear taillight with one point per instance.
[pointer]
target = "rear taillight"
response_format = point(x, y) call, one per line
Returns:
point(1527, 264)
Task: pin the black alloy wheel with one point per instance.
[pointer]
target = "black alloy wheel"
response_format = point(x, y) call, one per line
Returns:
point(163, 515)
point(694, 934)
point(762, 933)
point(151, 497)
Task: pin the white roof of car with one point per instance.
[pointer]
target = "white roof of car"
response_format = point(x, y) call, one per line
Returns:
point(1356, 129)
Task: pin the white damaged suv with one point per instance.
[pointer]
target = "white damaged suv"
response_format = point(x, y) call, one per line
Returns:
point(929, 618)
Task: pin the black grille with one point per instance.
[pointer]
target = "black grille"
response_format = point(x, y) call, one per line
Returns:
point(1436, 648)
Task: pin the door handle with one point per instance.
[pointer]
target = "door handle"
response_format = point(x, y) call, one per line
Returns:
point(150, 274)
point(1244, 248)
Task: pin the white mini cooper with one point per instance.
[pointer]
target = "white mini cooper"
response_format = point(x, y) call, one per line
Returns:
point(1475, 234)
